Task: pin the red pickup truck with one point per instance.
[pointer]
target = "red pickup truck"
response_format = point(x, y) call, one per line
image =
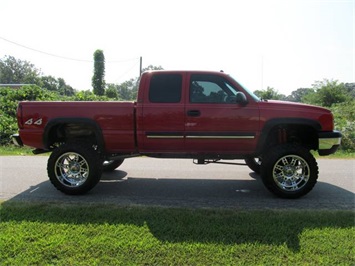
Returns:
point(203, 115)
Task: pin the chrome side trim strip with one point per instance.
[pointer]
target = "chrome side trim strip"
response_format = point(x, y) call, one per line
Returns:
point(164, 137)
point(220, 137)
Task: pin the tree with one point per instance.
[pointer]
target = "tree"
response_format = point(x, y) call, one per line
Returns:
point(125, 89)
point(98, 79)
point(351, 89)
point(269, 93)
point(326, 93)
point(151, 67)
point(111, 91)
point(16, 71)
point(65, 89)
point(297, 95)
point(50, 83)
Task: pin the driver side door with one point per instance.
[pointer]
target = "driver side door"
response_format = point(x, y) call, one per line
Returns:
point(215, 123)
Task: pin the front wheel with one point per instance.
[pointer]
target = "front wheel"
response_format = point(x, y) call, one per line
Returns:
point(74, 169)
point(289, 171)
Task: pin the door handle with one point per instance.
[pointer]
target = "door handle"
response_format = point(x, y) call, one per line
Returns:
point(193, 113)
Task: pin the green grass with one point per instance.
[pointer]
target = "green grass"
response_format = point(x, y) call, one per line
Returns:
point(64, 234)
point(340, 154)
point(6, 150)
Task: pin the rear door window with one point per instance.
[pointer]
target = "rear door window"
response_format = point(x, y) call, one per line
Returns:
point(165, 88)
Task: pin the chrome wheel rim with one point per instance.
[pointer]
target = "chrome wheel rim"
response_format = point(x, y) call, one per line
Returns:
point(71, 169)
point(291, 173)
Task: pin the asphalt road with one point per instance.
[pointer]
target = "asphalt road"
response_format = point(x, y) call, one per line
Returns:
point(178, 183)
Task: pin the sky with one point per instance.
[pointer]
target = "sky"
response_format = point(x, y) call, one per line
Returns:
point(285, 44)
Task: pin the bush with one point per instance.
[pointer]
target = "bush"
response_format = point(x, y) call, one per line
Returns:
point(9, 99)
point(87, 96)
point(8, 126)
point(344, 119)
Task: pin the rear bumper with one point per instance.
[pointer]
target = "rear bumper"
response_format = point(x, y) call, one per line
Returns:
point(16, 139)
point(329, 142)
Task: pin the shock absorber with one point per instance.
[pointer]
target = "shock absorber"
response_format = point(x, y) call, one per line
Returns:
point(282, 135)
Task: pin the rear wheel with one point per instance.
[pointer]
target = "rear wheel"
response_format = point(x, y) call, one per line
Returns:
point(74, 168)
point(289, 171)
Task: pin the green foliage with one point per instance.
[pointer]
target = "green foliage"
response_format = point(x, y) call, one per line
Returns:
point(269, 93)
point(98, 79)
point(128, 89)
point(16, 71)
point(151, 67)
point(13, 150)
point(339, 97)
point(8, 104)
point(111, 92)
point(87, 96)
point(344, 117)
point(50, 83)
point(65, 89)
point(297, 95)
point(350, 87)
point(8, 126)
point(326, 93)
point(52, 234)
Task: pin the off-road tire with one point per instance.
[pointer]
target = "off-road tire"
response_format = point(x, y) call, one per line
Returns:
point(289, 171)
point(74, 168)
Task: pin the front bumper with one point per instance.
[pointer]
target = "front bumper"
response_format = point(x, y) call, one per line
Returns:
point(16, 139)
point(329, 142)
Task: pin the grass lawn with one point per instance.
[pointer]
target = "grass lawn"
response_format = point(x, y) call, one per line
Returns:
point(6, 150)
point(64, 234)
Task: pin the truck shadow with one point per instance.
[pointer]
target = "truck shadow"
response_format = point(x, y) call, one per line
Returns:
point(121, 189)
point(188, 208)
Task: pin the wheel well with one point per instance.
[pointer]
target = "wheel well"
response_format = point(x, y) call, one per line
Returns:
point(67, 132)
point(304, 135)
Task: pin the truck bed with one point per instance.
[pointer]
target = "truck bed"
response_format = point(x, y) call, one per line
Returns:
point(114, 119)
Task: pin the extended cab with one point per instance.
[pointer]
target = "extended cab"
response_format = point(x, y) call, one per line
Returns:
point(203, 115)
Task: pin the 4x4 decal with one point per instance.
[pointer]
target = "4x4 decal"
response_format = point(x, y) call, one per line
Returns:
point(37, 122)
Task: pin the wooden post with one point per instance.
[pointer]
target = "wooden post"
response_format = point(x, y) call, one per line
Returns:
point(140, 66)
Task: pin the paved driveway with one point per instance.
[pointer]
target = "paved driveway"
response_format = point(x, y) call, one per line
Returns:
point(179, 183)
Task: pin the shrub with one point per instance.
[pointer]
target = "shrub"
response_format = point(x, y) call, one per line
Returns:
point(9, 100)
point(344, 118)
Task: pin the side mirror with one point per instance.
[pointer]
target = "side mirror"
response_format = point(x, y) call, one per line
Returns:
point(241, 98)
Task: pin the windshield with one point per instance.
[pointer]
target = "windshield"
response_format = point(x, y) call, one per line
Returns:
point(256, 98)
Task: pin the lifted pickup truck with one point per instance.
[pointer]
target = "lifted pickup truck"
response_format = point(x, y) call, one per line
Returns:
point(203, 115)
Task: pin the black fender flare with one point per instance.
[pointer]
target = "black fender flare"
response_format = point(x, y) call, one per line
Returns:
point(73, 120)
point(272, 123)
